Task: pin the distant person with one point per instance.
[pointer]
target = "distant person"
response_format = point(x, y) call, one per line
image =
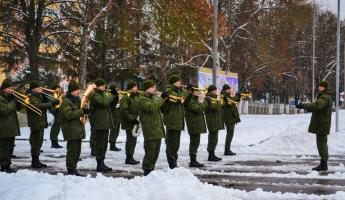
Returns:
point(320, 123)
point(64, 85)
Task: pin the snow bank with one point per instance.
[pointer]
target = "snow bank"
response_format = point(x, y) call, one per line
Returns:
point(170, 185)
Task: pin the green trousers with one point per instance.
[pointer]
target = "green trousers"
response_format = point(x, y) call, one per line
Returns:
point(194, 143)
point(230, 128)
point(54, 131)
point(152, 148)
point(6, 150)
point(172, 141)
point(92, 139)
point(101, 143)
point(322, 147)
point(131, 142)
point(114, 133)
point(212, 141)
point(73, 153)
point(36, 141)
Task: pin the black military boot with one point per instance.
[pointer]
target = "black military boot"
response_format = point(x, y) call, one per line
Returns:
point(147, 171)
point(55, 145)
point(228, 152)
point(73, 172)
point(93, 153)
point(213, 157)
point(36, 163)
point(130, 160)
point(194, 162)
point(322, 166)
point(171, 162)
point(112, 147)
point(7, 169)
point(101, 167)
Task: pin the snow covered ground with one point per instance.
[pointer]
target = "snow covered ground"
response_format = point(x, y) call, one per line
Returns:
point(275, 153)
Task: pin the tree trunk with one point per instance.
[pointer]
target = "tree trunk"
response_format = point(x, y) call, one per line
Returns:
point(83, 57)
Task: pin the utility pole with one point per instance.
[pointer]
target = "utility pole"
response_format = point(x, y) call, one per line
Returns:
point(337, 73)
point(215, 62)
point(313, 59)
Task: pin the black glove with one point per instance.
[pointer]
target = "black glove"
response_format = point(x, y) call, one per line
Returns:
point(238, 95)
point(300, 106)
point(165, 95)
point(11, 97)
point(113, 90)
point(55, 102)
point(225, 99)
point(86, 111)
point(208, 99)
point(135, 122)
point(45, 98)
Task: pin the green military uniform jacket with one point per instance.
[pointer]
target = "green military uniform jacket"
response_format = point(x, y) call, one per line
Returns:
point(9, 125)
point(128, 111)
point(100, 107)
point(321, 113)
point(38, 122)
point(213, 113)
point(151, 116)
point(230, 111)
point(71, 112)
point(194, 112)
point(173, 113)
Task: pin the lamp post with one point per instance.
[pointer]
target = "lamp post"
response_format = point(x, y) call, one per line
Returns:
point(337, 73)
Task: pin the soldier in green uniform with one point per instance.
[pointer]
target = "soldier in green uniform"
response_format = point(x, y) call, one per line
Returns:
point(230, 116)
point(9, 126)
point(129, 119)
point(38, 123)
point(55, 129)
point(320, 123)
point(195, 120)
point(152, 124)
point(72, 129)
point(214, 121)
point(173, 117)
point(102, 120)
point(114, 132)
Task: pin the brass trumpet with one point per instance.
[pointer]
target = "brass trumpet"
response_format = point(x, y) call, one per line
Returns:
point(217, 100)
point(25, 101)
point(246, 95)
point(176, 99)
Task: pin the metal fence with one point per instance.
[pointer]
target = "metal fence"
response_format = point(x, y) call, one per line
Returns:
point(255, 108)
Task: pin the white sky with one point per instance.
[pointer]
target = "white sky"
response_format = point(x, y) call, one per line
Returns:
point(332, 5)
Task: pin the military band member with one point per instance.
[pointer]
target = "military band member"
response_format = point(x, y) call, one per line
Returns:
point(38, 123)
point(9, 126)
point(152, 124)
point(214, 121)
point(173, 117)
point(195, 120)
point(55, 129)
point(129, 119)
point(114, 132)
point(72, 129)
point(230, 116)
point(102, 120)
point(320, 122)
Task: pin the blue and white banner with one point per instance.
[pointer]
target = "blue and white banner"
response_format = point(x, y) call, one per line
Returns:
point(205, 78)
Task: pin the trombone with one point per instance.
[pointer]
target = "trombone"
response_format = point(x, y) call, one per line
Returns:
point(25, 100)
point(57, 94)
